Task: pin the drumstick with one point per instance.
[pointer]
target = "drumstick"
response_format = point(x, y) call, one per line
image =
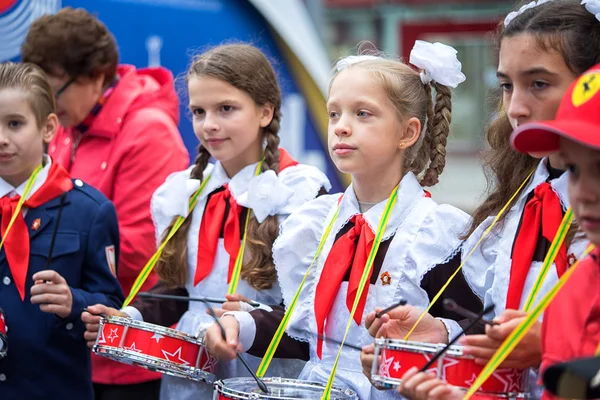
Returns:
point(185, 298)
point(94, 314)
point(334, 341)
point(452, 305)
point(390, 308)
point(259, 382)
point(437, 355)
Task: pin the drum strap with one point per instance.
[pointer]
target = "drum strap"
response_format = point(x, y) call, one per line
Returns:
point(521, 330)
point(483, 236)
point(262, 369)
point(145, 272)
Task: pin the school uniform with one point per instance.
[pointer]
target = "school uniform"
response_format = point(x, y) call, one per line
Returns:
point(492, 271)
point(214, 239)
point(47, 355)
point(420, 249)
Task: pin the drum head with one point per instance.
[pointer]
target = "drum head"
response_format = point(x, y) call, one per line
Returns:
point(279, 389)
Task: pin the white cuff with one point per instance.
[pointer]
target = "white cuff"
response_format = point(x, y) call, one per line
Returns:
point(133, 313)
point(452, 327)
point(247, 328)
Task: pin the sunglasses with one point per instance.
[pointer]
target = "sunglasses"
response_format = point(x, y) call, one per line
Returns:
point(64, 87)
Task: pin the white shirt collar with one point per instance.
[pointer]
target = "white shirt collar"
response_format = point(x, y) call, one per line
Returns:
point(7, 189)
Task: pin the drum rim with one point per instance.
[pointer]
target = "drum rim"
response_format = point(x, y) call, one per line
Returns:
point(181, 371)
point(414, 347)
point(392, 383)
point(148, 327)
point(220, 388)
point(4, 345)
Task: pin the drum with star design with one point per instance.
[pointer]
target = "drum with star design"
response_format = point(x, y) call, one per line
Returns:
point(393, 357)
point(3, 335)
point(279, 389)
point(154, 347)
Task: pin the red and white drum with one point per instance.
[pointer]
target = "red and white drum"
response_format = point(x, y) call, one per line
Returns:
point(155, 348)
point(3, 335)
point(393, 357)
point(279, 389)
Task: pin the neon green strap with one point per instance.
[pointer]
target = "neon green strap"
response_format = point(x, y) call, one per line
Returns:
point(268, 357)
point(145, 272)
point(361, 286)
point(550, 257)
point(237, 270)
point(483, 236)
point(28, 186)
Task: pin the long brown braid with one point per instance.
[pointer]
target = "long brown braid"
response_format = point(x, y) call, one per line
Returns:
point(246, 68)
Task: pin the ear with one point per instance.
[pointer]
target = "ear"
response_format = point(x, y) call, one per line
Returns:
point(98, 83)
point(410, 133)
point(50, 128)
point(266, 112)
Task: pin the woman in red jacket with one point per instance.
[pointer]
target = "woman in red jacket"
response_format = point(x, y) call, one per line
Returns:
point(120, 136)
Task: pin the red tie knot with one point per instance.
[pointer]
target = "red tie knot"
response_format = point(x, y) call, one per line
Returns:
point(359, 222)
point(542, 190)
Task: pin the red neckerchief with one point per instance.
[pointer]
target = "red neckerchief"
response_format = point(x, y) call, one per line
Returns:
point(216, 217)
point(543, 211)
point(16, 245)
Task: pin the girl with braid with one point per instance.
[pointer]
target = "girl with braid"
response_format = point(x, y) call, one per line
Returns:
point(385, 130)
point(236, 106)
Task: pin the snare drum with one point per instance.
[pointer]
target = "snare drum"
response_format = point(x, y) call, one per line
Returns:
point(155, 348)
point(3, 335)
point(393, 357)
point(279, 389)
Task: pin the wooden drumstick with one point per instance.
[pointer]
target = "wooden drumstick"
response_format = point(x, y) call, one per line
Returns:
point(185, 298)
point(259, 381)
point(338, 342)
point(390, 308)
point(94, 314)
point(437, 355)
point(451, 305)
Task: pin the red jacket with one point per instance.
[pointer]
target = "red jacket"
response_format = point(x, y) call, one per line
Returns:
point(571, 327)
point(130, 149)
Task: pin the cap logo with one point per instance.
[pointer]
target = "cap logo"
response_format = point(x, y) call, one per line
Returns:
point(586, 88)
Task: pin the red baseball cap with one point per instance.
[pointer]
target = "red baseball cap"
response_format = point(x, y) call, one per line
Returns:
point(578, 119)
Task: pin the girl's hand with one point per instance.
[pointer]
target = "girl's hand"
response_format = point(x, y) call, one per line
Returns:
point(425, 386)
point(366, 359)
point(235, 302)
point(92, 322)
point(527, 354)
point(223, 348)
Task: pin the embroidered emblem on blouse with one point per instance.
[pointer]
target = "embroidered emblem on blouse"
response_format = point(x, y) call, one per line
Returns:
point(386, 278)
point(571, 259)
point(36, 224)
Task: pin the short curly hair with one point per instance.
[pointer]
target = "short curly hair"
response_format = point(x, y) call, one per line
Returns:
point(73, 41)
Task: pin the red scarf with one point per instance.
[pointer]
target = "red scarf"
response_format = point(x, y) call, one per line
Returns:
point(215, 217)
point(17, 243)
point(544, 212)
point(351, 250)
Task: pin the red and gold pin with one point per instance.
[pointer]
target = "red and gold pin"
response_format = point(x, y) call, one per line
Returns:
point(571, 259)
point(35, 225)
point(386, 278)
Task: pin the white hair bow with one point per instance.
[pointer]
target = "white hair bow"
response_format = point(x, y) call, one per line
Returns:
point(521, 10)
point(350, 60)
point(439, 63)
point(592, 6)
